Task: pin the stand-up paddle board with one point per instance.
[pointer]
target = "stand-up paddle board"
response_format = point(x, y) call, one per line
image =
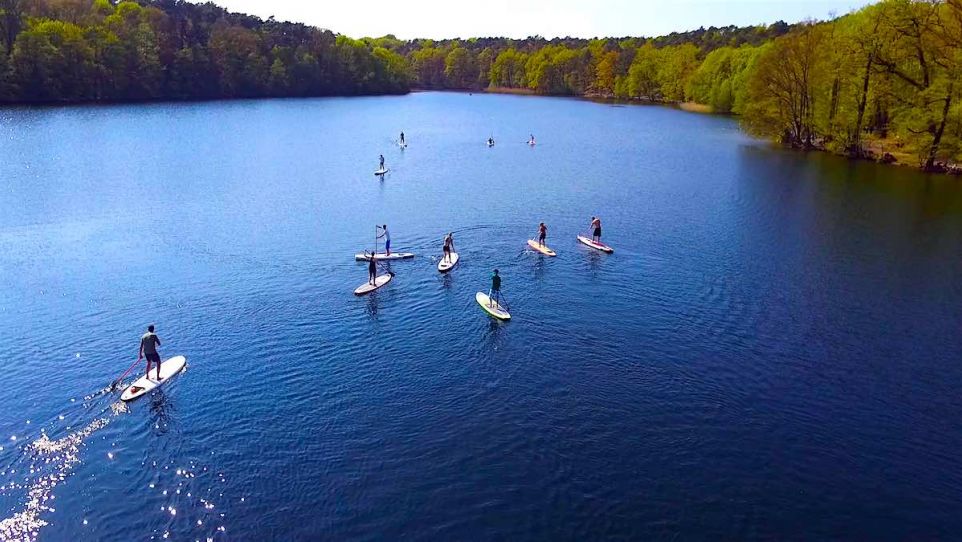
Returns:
point(598, 246)
point(379, 281)
point(380, 256)
point(541, 248)
point(446, 265)
point(490, 144)
point(402, 145)
point(494, 309)
point(147, 383)
point(380, 172)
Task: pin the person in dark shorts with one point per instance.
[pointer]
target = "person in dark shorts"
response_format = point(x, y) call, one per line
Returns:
point(596, 229)
point(148, 349)
point(542, 233)
point(495, 294)
point(402, 139)
point(448, 246)
point(382, 162)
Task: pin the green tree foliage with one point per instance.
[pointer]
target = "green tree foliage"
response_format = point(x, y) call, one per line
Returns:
point(678, 63)
point(460, 69)
point(429, 65)
point(784, 89)
point(508, 70)
point(721, 79)
point(79, 50)
point(643, 74)
point(888, 74)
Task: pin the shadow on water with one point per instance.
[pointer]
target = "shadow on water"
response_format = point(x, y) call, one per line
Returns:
point(162, 410)
point(495, 334)
point(594, 260)
point(447, 282)
point(371, 305)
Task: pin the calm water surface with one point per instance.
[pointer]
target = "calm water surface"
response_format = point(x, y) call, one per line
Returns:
point(772, 352)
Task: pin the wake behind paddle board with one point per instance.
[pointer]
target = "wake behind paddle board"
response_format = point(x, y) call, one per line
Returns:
point(541, 248)
point(494, 309)
point(146, 384)
point(379, 281)
point(597, 246)
point(444, 266)
point(380, 256)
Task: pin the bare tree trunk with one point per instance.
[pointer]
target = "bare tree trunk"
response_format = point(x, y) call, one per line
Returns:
point(855, 144)
point(937, 136)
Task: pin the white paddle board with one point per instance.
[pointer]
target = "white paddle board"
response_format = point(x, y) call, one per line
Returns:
point(490, 144)
point(146, 383)
point(444, 265)
point(381, 171)
point(542, 249)
point(379, 281)
point(494, 309)
point(382, 256)
point(598, 246)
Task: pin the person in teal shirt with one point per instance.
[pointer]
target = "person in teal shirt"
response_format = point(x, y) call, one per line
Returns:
point(495, 294)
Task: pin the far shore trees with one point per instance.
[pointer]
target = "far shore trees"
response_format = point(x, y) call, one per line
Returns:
point(882, 82)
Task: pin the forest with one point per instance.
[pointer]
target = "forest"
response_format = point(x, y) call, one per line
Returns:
point(880, 83)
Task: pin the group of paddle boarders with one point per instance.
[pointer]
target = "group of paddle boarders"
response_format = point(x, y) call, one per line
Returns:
point(450, 257)
point(595, 228)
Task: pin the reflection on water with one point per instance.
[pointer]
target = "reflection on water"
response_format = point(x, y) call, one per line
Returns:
point(47, 464)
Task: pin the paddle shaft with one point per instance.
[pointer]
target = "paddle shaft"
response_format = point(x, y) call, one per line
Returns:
point(131, 368)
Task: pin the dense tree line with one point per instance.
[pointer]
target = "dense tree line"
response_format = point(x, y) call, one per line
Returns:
point(81, 50)
point(882, 82)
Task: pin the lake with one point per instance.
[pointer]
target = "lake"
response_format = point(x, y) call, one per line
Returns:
point(772, 351)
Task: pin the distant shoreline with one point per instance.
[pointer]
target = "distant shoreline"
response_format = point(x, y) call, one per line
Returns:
point(885, 152)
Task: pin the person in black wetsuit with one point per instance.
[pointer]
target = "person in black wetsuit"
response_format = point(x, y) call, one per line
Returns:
point(372, 270)
point(494, 295)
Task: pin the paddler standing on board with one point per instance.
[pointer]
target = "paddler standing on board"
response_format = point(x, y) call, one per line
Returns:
point(596, 229)
point(542, 233)
point(382, 162)
point(148, 348)
point(448, 246)
point(384, 233)
point(402, 139)
point(495, 294)
point(372, 270)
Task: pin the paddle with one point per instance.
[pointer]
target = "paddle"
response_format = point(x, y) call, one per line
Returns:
point(113, 385)
point(501, 298)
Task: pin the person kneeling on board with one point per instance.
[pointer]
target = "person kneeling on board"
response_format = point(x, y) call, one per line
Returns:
point(494, 296)
point(148, 348)
point(387, 239)
point(448, 246)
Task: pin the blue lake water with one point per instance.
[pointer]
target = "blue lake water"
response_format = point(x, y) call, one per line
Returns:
point(772, 351)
